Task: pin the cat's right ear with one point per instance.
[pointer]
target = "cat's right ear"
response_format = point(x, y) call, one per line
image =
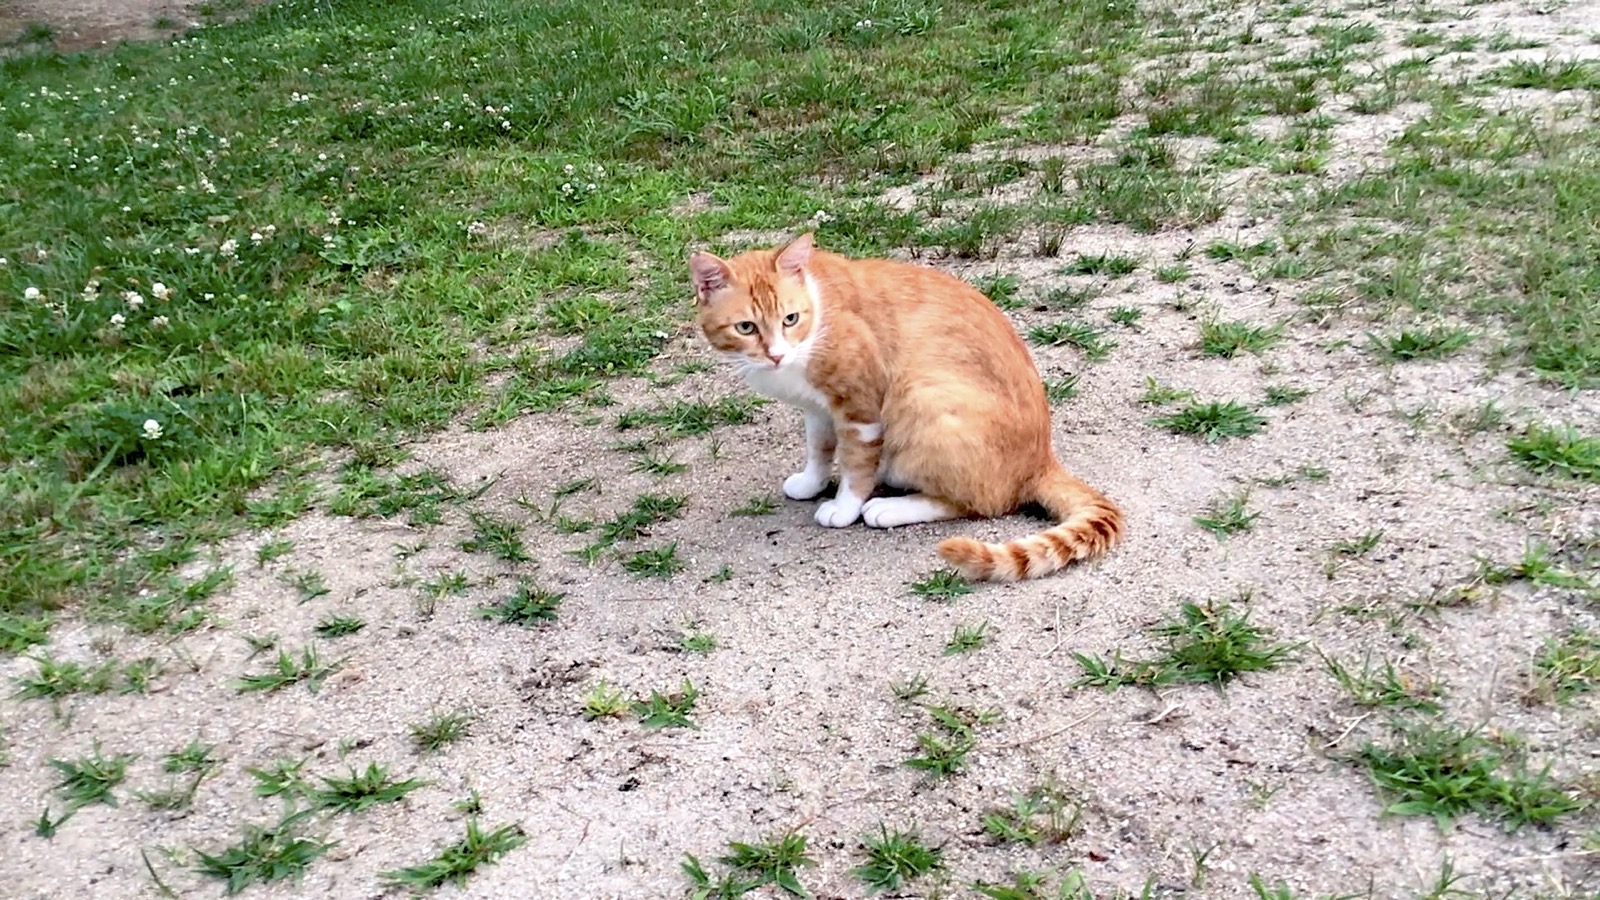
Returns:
point(711, 275)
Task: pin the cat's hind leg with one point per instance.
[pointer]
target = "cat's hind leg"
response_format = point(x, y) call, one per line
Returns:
point(912, 509)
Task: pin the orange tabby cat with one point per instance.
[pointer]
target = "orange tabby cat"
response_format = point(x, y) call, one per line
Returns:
point(915, 379)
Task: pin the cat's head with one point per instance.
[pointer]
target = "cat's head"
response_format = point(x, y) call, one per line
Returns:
point(755, 308)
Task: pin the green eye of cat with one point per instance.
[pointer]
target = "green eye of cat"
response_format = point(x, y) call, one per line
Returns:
point(791, 319)
point(745, 327)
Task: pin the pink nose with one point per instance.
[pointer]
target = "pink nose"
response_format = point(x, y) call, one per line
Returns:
point(777, 358)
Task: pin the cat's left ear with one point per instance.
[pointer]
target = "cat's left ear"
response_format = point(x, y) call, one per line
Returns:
point(793, 257)
point(710, 274)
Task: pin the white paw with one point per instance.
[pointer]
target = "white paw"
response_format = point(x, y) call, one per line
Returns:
point(804, 485)
point(892, 512)
point(837, 513)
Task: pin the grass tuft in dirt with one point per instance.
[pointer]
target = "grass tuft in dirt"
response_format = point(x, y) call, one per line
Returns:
point(263, 855)
point(1228, 515)
point(602, 701)
point(1432, 343)
point(657, 562)
point(360, 790)
point(456, 863)
point(91, 778)
point(528, 606)
point(1092, 341)
point(501, 537)
point(1444, 771)
point(440, 731)
point(942, 585)
point(1214, 421)
point(1557, 451)
point(1384, 687)
point(1209, 644)
point(286, 670)
point(670, 710)
point(1568, 665)
point(894, 858)
point(1229, 339)
point(1044, 815)
point(968, 638)
point(773, 861)
point(338, 626)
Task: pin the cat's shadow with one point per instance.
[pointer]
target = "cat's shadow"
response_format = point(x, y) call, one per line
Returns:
point(1030, 510)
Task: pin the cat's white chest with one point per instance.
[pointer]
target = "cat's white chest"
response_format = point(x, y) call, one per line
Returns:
point(788, 384)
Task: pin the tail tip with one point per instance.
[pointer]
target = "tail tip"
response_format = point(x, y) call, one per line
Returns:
point(969, 557)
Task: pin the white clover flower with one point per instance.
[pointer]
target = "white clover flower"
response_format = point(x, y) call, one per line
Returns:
point(205, 185)
point(270, 230)
point(118, 320)
point(133, 299)
point(256, 237)
point(159, 322)
point(2, 262)
point(477, 229)
point(568, 169)
point(42, 254)
point(30, 293)
point(322, 157)
point(160, 291)
point(152, 430)
point(448, 125)
point(190, 251)
point(566, 189)
point(209, 296)
point(505, 123)
point(821, 215)
point(229, 248)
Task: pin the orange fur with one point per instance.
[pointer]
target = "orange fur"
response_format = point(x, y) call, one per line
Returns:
point(911, 377)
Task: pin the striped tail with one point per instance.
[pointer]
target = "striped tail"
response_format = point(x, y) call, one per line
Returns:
point(1090, 525)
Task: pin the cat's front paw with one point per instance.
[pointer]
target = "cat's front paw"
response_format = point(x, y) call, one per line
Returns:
point(804, 485)
point(837, 513)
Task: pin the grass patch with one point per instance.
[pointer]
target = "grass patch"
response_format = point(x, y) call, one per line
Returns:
point(1092, 341)
point(528, 606)
point(1214, 421)
point(308, 669)
point(1444, 771)
point(757, 506)
point(774, 861)
point(1228, 515)
point(92, 778)
point(658, 562)
point(440, 731)
point(684, 419)
point(338, 626)
point(1559, 451)
point(1209, 644)
point(1568, 664)
point(263, 856)
point(670, 710)
point(943, 585)
point(456, 863)
point(1382, 687)
point(500, 537)
point(361, 790)
point(968, 639)
point(1043, 815)
point(894, 858)
point(1433, 343)
point(1229, 339)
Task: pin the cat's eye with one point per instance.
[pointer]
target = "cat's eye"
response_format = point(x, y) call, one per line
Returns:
point(791, 320)
point(745, 327)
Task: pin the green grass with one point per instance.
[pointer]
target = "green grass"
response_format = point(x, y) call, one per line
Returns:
point(967, 639)
point(602, 701)
point(1205, 644)
point(286, 670)
point(338, 626)
point(1444, 771)
point(92, 778)
point(1433, 343)
point(368, 264)
point(1101, 264)
point(774, 861)
point(361, 790)
point(1214, 421)
point(682, 419)
point(1043, 815)
point(670, 710)
point(456, 863)
point(1060, 390)
point(1568, 664)
point(263, 856)
point(1228, 515)
point(528, 606)
point(500, 537)
point(440, 731)
point(657, 562)
point(944, 584)
point(1385, 687)
point(757, 506)
point(893, 858)
point(1092, 341)
point(1229, 339)
point(1559, 451)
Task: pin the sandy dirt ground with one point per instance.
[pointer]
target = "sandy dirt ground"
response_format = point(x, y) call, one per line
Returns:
point(797, 724)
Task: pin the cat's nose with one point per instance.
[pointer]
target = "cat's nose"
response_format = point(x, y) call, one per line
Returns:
point(776, 357)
